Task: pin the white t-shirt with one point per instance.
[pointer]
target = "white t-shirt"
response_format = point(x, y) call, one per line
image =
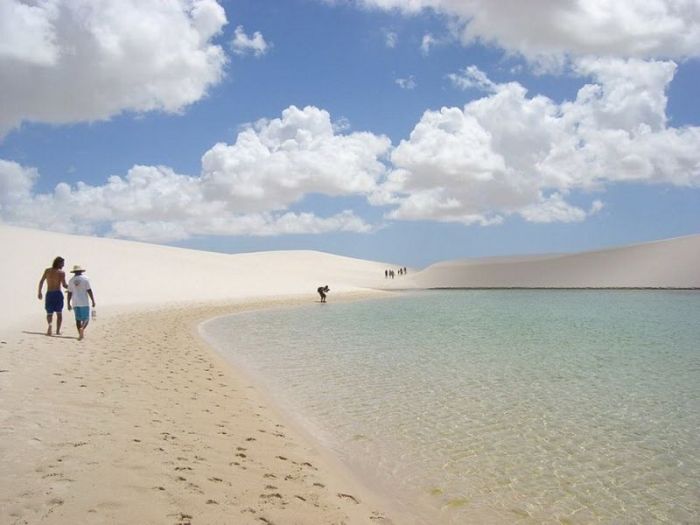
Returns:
point(78, 286)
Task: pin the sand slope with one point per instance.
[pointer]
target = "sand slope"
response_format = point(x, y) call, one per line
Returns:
point(131, 273)
point(673, 263)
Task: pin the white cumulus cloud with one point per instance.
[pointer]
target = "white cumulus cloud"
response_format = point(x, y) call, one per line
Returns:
point(16, 183)
point(472, 77)
point(27, 33)
point(66, 61)
point(508, 153)
point(275, 162)
point(244, 189)
point(542, 29)
point(243, 44)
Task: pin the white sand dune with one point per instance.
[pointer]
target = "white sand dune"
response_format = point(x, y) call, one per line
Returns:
point(126, 273)
point(672, 263)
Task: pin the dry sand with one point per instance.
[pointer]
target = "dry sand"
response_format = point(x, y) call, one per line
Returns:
point(125, 273)
point(672, 263)
point(143, 423)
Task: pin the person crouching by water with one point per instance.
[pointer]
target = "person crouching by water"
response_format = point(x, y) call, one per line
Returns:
point(322, 290)
point(79, 291)
point(55, 277)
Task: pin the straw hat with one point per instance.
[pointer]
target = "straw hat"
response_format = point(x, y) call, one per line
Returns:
point(77, 269)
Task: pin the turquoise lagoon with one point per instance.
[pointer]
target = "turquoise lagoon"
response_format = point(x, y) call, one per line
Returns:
point(495, 406)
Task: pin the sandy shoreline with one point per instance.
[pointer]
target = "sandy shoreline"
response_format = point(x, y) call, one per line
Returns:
point(144, 423)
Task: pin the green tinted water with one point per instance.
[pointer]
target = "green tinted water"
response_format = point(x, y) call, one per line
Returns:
point(497, 406)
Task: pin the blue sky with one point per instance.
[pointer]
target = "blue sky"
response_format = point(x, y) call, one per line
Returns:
point(408, 132)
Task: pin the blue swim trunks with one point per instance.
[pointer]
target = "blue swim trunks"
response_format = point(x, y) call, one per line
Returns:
point(53, 302)
point(82, 313)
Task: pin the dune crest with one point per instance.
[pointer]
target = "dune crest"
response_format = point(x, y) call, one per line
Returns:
point(672, 263)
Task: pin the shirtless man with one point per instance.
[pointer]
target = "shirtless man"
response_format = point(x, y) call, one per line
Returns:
point(55, 277)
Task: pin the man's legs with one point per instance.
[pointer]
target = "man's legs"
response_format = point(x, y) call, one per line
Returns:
point(53, 303)
point(82, 317)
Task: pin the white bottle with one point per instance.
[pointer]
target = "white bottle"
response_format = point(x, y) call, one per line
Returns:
point(94, 314)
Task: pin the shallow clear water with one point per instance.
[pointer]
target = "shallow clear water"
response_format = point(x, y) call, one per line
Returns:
point(496, 406)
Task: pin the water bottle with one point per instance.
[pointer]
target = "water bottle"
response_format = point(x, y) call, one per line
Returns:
point(94, 314)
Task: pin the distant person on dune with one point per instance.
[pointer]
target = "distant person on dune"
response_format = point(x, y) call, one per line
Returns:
point(80, 293)
point(55, 277)
point(322, 291)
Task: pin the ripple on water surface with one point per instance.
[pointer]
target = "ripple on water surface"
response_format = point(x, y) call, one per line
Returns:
point(527, 406)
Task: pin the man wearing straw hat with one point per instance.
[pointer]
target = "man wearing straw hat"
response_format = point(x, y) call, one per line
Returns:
point(80, 293)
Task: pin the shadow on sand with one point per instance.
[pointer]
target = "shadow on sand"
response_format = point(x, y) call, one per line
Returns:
point(56, 336)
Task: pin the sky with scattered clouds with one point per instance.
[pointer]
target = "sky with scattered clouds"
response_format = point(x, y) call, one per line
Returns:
point(408, 131)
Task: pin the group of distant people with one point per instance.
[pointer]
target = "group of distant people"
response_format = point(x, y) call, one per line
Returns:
point(78, 298)
point(389, 274)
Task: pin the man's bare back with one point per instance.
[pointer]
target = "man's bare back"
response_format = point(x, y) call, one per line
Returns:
point(54, 279)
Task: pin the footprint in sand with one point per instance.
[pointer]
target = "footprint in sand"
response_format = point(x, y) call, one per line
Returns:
point(274, 495)
point(348, 496)
point(184, 519)
point(376, 516)
point(195, 488)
